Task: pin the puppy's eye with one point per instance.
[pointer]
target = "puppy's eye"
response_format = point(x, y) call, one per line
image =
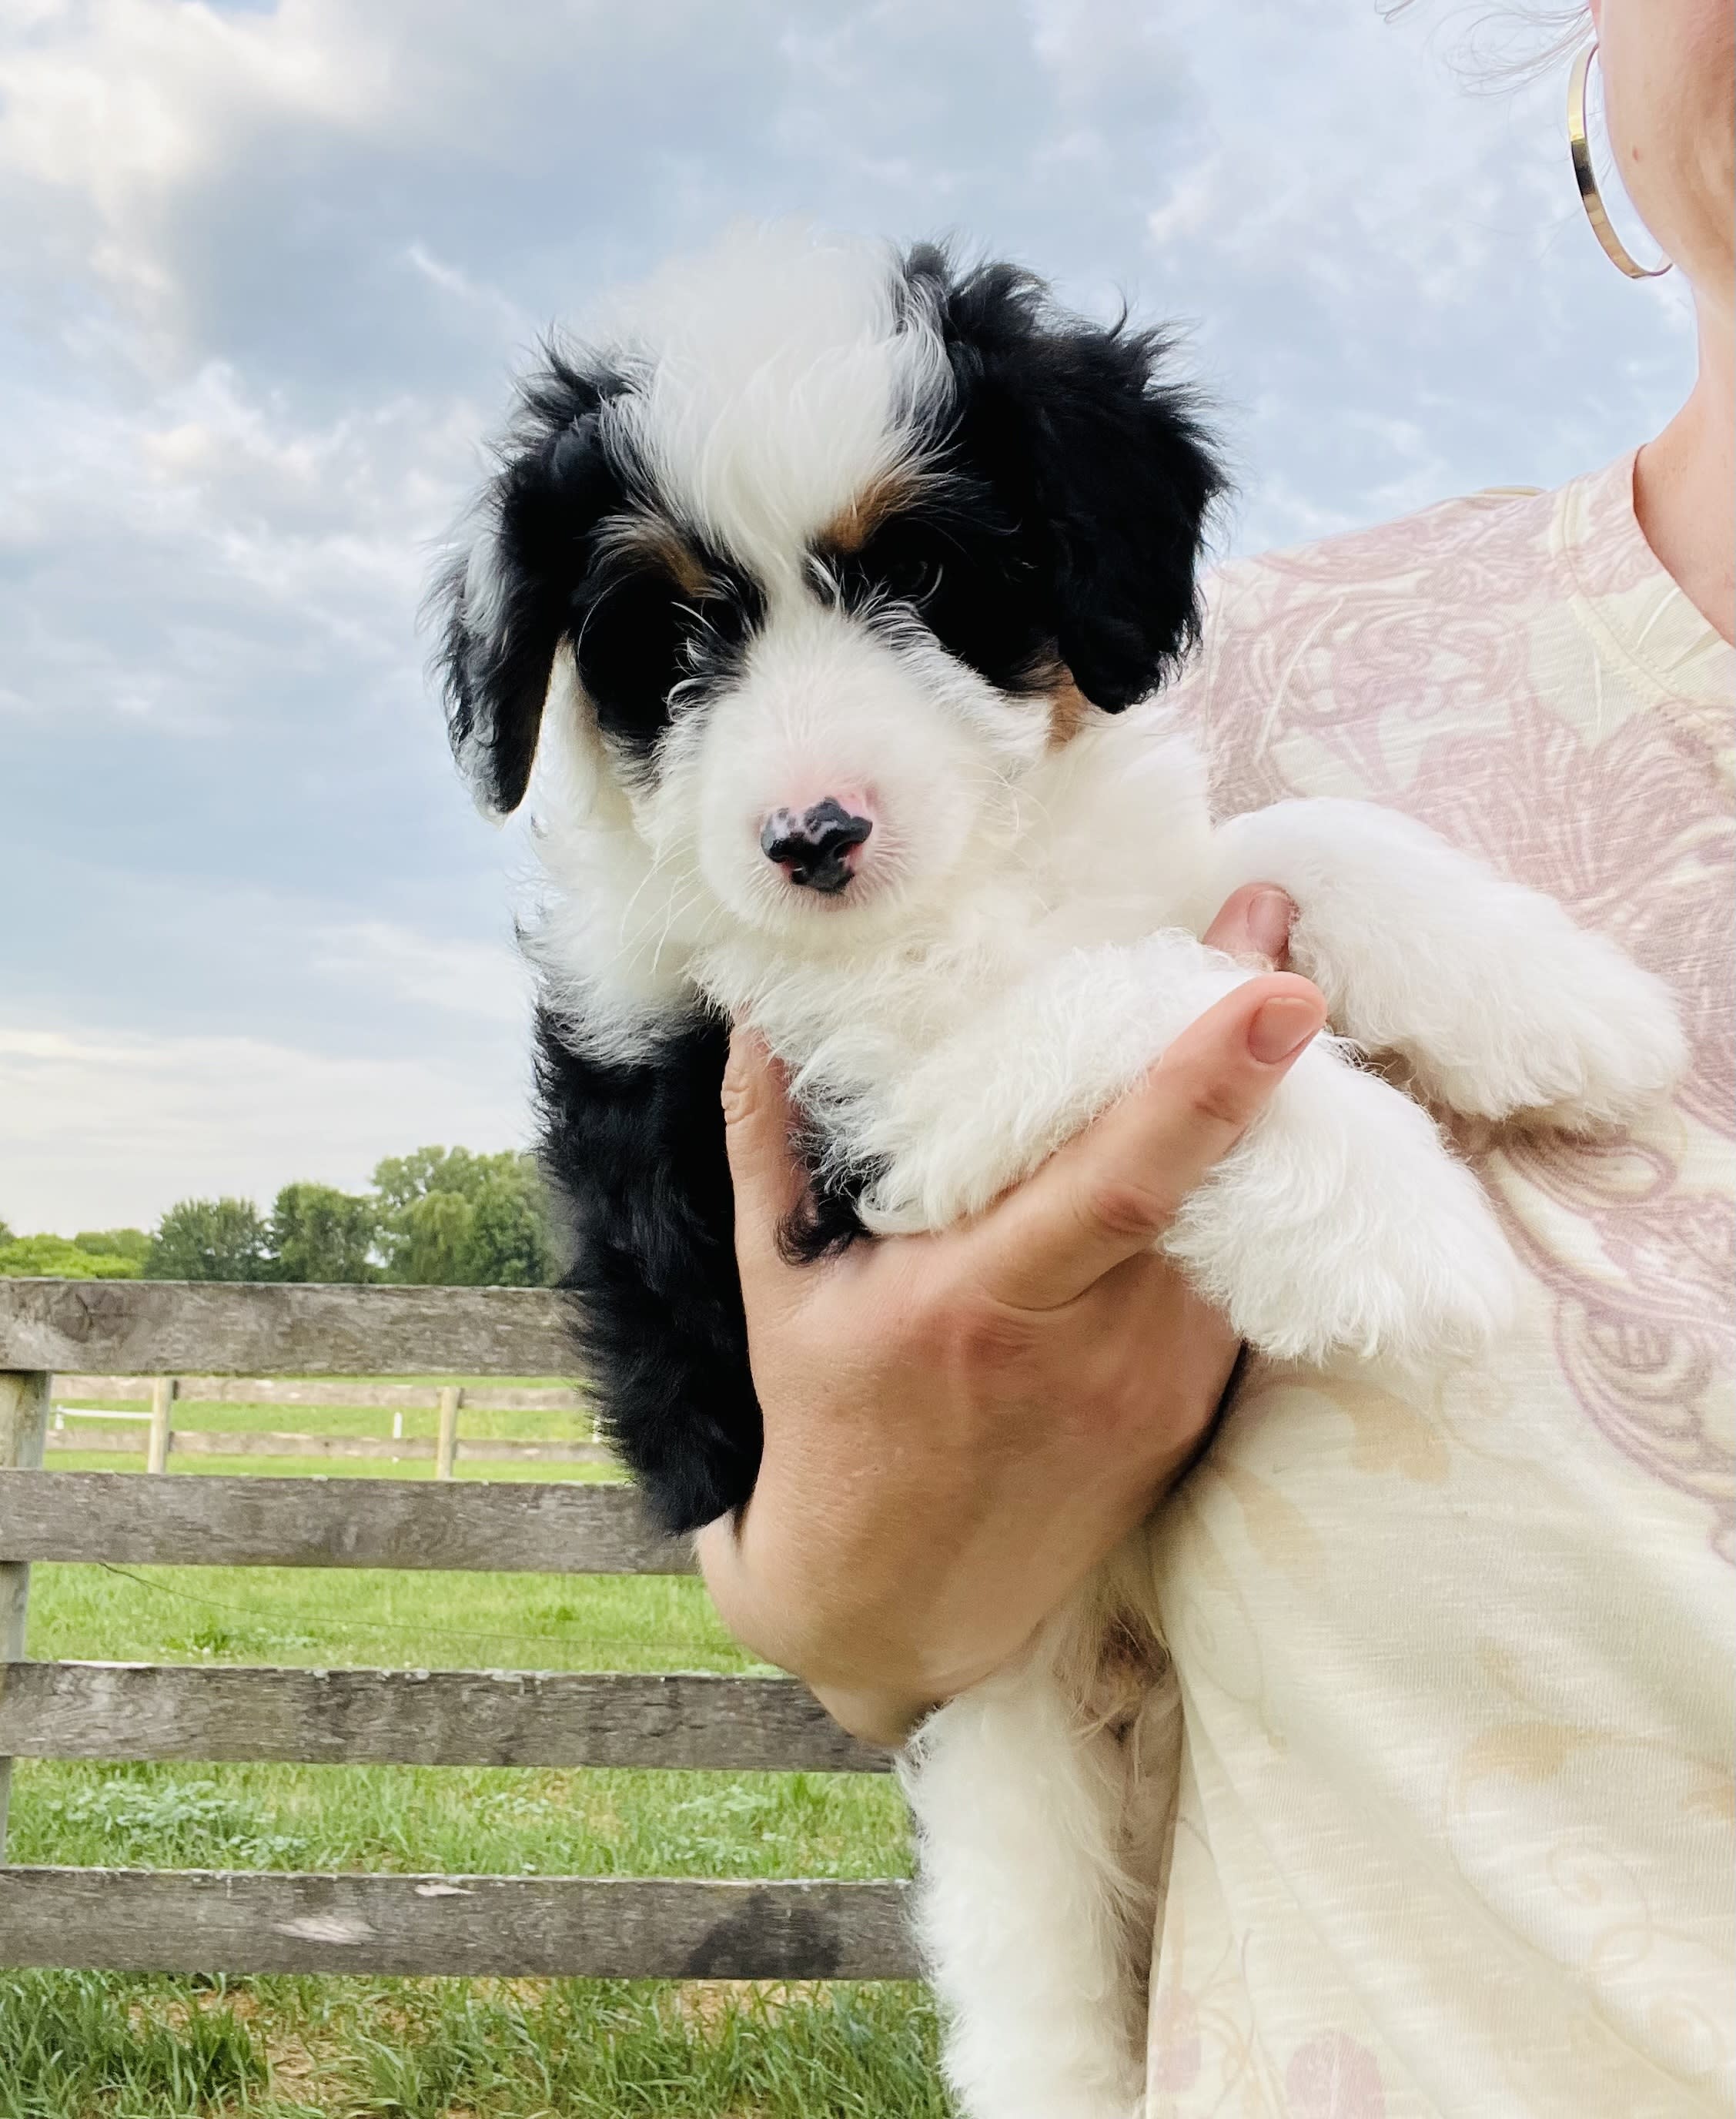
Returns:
point(902, 562)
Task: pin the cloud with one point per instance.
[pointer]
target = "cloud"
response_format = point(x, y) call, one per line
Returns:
point(471, 979)
point(101, 1129)
point(264, 269)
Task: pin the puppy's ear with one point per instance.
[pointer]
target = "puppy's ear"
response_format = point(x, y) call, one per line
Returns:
point(507, 599)
point(1102, 462)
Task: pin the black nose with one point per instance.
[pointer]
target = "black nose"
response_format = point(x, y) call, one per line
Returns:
point(814, 848)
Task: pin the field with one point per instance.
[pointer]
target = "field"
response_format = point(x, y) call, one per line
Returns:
point(88, 2046)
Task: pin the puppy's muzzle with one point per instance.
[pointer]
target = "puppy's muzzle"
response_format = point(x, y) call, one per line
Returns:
point(817, 850)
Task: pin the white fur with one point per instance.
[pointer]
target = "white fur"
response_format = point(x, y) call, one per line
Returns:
point(967, 1021)
point(782, 381)
point(1020, 943)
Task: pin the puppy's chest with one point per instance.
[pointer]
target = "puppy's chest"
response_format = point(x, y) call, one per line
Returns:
point(853, 1032)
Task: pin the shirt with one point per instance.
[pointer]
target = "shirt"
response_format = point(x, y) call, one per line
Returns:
point(1452, 1833)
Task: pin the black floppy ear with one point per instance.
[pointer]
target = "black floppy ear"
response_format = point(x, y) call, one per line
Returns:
point(506, 600)
point(1102, 462)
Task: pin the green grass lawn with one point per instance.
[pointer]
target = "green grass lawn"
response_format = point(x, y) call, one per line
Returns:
point(89, 2046)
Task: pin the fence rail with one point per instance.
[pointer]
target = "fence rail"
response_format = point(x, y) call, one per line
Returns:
point(598, 1927)
point(419, 1717)
point(237, 1521)
point(128, 1327)
point(258, 1921)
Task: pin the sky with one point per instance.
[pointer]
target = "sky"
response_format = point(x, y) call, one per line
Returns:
point(266, 269)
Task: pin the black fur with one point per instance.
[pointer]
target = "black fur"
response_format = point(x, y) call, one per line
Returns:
point(637, 631)
point(634, 1154)
point(1098, 467)
point(1057, 526)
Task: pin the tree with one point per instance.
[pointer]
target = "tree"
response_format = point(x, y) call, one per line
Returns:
point(509, 1243)
point(433, 1249)
point(58, 1257)
point(319, 1233)
point(450, 1217)
point(211, 1240)
point(115, 1243)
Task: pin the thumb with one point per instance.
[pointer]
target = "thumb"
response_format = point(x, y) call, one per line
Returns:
point(768, 1180)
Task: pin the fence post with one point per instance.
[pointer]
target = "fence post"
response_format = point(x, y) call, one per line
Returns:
point(24, 1420)
point(163, 1392)
point(446, 1447)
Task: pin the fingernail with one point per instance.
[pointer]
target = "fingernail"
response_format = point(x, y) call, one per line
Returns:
point(1269, 917)
point(1283, 1026)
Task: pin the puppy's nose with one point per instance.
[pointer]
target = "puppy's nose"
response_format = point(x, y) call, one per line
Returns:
point(815, 849)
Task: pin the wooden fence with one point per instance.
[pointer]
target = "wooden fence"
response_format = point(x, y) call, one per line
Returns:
point(155, 1433)
point(259, 1921)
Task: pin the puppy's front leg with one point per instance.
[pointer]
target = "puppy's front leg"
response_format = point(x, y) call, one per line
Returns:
point(1498, 1000)
point(1023, 1075)
point(1340, 1223)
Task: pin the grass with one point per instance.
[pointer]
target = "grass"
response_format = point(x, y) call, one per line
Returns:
point(218, 1415)
point(75, 2046)
point(95, 2046)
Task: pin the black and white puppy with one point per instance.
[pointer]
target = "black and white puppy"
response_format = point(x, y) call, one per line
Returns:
point(828, 590)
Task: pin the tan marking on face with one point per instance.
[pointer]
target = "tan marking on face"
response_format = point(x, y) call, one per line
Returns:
point(656, 542)
point(1069, 710)
point(858, 520)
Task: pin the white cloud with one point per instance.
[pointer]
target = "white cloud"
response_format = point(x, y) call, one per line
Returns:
point(266, 268)
point(101, 1129)
point(489, 983)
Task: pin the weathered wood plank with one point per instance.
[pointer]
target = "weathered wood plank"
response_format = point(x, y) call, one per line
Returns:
point(252, 1442)
point(165, 1326)
point(293, 1390)
point(24, 1414)
point(440, 1718)
point(130, 1920)
point(557, 1528)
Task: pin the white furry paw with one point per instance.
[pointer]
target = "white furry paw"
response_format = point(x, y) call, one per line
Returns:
point(1498, 1001)
point(1341, 1225)
point(1582, 1038)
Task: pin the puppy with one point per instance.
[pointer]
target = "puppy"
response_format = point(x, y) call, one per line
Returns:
point(836, 588)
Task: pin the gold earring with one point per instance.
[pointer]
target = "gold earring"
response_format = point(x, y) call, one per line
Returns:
point(1579, 146)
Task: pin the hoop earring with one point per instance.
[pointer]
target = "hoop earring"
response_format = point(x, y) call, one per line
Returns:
point(1579, 146)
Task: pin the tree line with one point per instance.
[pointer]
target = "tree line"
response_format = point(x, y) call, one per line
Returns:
point(437, 1217)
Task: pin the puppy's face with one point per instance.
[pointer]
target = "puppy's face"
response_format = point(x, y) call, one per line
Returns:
point(837, 547)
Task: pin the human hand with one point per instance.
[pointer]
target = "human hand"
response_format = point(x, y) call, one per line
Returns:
point(960, 1427)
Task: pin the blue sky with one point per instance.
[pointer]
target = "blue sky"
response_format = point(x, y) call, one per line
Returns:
point(264, 272)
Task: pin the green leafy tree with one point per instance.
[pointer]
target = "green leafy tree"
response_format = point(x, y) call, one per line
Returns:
point(211, 1240)
point(450, 1217)
point(59, 1258)
point(509, 1243)
point(433, 1245)
point(115, 1243)
point(319, 1233)
point(5, 1234)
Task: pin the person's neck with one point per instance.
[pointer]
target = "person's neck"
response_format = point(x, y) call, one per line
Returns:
point(1684, 483)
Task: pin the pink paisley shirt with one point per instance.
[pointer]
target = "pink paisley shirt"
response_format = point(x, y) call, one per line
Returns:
point(1453, 1831)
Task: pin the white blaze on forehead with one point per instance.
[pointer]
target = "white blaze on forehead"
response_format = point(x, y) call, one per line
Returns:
point(779, 384)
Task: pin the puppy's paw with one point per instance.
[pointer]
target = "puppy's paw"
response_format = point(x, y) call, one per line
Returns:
point(1594, 1041)
point(1341, 1225)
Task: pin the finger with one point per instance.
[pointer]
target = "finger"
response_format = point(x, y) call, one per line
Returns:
point(758, 1124)
point(1110, 1194)
point(1253, 925)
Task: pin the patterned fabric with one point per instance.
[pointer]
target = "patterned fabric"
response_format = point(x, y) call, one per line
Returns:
point(1454, 1830)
